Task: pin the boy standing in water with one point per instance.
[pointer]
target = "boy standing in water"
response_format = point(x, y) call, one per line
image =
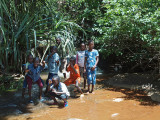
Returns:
point(80, 57)
point(25, 67)
point(58, 89)
point(74, 75)
point(91, 61)
point(33, 76)
point(53, 64)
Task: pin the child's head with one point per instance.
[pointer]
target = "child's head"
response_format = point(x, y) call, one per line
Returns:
point(55, 80)
point(36, 62)
point(73, 60)
point(91, 44)
point(82, 47)
point(58, 40)
point(30, 58)
point(53, 49)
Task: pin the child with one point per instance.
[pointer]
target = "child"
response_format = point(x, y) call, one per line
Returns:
point(80, 57)
point(25, 67)
point(53, 63)
point(58, 89)
point(74, 74)
point(63, 56)
point(91, 61)
point(33, 76)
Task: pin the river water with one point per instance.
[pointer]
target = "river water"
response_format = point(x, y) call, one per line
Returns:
point(105, 104)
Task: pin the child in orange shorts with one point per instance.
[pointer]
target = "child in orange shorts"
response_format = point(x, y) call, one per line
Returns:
point(74, 75)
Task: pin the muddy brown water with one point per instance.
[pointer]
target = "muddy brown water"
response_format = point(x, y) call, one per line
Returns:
point(105, 104)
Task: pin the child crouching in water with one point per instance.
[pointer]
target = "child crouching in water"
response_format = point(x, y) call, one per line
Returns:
point(74, 75)
point(33, 76)
point(58, 89)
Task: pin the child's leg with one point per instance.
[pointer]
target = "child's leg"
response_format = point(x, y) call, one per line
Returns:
point(24, 87)
point(92, 88)
point(78, 87)
point(42, 81)
point(93, 80)
point(53, 96)
point(69, 81)
point(89, 78)
point(84, 77)
point(64, 98)
point(29, 82)
point(40, 84)
point(88, 88)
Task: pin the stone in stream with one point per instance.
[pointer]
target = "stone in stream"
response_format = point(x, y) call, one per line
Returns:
point(114, 115)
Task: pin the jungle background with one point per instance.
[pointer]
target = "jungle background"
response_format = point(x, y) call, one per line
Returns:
point(126, 32)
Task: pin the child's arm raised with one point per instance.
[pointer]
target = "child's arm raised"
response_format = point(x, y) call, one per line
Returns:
point(42, 64)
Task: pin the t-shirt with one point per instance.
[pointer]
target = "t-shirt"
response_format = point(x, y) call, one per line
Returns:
point(91, 58)
point(80, 57)
point(61, 88)
point(27, 64)
point(34, 73)
point(53, 67)
point(73, 75)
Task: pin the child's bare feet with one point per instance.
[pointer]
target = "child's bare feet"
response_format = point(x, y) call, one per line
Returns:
point(93, 92)
point(82, 95)
point(87, 92)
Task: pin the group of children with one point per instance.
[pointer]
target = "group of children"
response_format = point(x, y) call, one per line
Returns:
point(84, 64)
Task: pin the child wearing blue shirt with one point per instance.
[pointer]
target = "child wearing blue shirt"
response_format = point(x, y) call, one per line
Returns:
point(33, 76)
point(91, 61)
point(53, 63)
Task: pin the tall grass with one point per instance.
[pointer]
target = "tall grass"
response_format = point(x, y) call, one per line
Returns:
point(24, 25)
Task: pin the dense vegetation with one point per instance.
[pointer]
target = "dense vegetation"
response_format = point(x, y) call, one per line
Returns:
point(126, 32)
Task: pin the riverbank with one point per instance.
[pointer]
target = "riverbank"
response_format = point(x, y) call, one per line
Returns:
point(111, 103)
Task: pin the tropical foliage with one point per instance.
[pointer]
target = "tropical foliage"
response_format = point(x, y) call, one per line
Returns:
point(26, 25)
point(129, 30)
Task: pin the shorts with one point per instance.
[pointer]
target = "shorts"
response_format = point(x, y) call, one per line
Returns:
point(25, 82)
point(91, 76)
point(29, 82)
point(72, 81)
point(50, 75)
point(63, 65)
point(62, 96)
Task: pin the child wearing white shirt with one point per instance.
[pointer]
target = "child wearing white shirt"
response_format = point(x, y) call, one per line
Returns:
point(58, 89)
point(80, 58)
